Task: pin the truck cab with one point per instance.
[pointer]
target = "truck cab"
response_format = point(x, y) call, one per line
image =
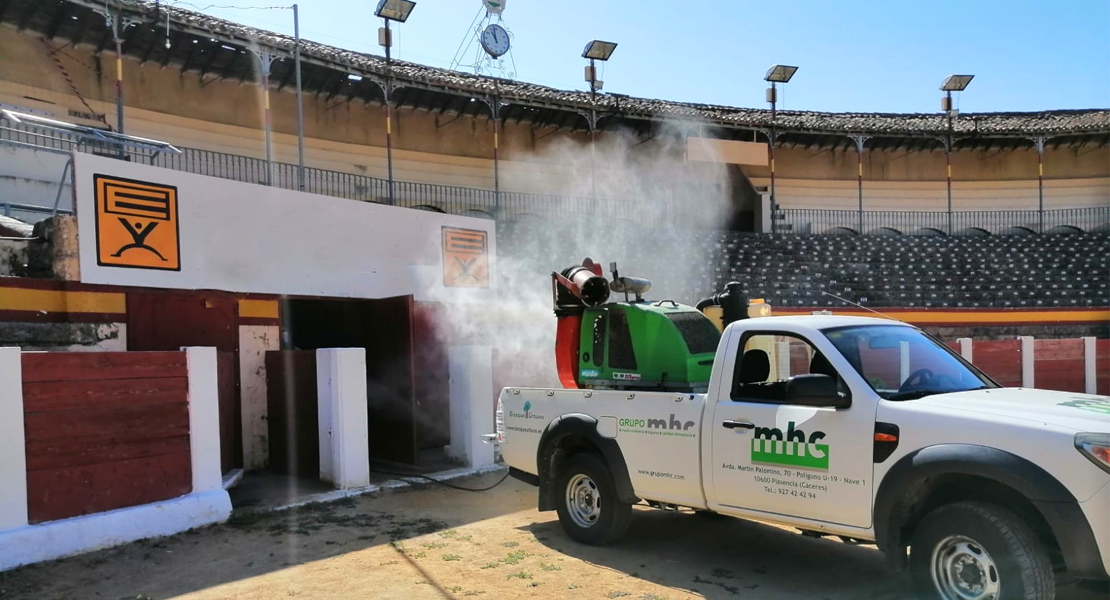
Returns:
point(858, 427)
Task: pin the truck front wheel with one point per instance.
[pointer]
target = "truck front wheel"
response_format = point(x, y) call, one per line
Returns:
point(588, 506)
point(979, 551)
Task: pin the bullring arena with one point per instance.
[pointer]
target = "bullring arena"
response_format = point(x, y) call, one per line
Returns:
point(427, 243)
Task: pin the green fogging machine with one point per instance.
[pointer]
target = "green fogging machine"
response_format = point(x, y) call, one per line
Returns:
point(635, 344)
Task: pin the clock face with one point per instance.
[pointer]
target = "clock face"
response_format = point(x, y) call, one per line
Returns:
point(495, 40)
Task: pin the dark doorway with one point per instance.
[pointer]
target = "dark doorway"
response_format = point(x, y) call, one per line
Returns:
point(385, 329)
point(167, 321)
point(292, 415)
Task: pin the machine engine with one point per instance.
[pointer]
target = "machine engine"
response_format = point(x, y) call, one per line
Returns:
point(634, 344)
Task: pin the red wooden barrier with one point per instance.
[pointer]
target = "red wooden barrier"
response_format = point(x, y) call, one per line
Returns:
point(1058, 365)
point(104, 430)
point(1001, 359)
point(1102, 366)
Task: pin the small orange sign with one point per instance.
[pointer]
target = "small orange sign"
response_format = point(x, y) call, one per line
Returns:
point(465, 258)
point(136, 224)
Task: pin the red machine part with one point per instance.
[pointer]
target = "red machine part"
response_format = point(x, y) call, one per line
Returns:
point(567, 338)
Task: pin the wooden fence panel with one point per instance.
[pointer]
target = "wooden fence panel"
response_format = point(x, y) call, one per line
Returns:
point(1058, 365)
point(104, 430)
point(1001, 359)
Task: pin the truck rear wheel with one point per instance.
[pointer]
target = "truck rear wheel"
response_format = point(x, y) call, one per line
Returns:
point(588, 507)
point(979, 551)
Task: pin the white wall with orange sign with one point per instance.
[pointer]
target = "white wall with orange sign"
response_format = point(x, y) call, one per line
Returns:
point(243, 237)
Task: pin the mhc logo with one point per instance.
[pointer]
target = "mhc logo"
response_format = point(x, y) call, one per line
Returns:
point(770, 447)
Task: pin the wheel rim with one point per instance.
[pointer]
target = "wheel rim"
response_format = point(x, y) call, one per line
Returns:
point(963, 570)
point(583, 501)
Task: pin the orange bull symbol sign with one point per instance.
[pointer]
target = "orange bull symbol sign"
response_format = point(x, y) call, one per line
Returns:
point(465, 258)
point(136, 224)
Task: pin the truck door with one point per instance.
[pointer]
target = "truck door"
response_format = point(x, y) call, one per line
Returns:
point(773, 456)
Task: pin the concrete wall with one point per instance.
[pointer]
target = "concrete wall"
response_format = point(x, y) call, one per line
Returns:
point(248, 238)
point(254, 342)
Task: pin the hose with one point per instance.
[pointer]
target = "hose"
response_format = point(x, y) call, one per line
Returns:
point(443, 483)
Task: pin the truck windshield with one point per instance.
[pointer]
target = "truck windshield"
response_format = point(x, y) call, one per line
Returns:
point(902, 363)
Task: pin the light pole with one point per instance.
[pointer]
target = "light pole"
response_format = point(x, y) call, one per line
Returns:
point(390, 10)
point(776, 74)
point(595, 50)
point(952, 83)
point(116, 23)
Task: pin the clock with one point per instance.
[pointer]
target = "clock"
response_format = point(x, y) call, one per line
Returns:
point(495, 40)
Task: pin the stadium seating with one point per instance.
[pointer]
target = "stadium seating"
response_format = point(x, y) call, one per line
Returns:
point(911, 271)
point(997, 271)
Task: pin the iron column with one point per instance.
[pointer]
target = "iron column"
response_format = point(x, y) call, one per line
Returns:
point(1039, 142)
point(266, 60)
point(300, 107)
point(496, 159)
point(860, 139)
point(116, 24)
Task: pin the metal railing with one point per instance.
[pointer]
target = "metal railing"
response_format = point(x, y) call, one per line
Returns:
point(813, 221)
point(9, 208)
point(665, 210)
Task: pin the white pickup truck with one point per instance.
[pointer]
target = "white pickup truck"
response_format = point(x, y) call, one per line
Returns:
point(862, 428)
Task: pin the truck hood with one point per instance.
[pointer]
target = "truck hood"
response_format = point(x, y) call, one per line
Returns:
point(1078, 412)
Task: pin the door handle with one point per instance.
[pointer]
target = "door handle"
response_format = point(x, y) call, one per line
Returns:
point(738, 425)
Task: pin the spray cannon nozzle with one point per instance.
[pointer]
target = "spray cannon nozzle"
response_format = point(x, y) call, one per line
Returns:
point(579, 287)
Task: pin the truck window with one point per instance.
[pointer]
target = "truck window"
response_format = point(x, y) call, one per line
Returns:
point(768, 361)
point(901, 363)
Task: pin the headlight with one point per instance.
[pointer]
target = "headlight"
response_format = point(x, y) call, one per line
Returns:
point(1096, 447)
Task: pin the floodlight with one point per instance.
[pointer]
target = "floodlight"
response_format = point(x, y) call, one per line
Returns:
point(599, 50)
point(395, 10)
point(955, 83)
point(779, 73)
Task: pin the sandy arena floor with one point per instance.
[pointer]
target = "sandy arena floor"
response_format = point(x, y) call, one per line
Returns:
point(441, 543)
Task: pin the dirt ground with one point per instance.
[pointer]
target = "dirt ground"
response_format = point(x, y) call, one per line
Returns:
point(442, 543)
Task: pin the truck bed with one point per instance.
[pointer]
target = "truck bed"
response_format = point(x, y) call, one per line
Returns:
point(659, 434)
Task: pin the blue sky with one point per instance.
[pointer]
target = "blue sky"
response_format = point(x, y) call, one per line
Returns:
point(887, 56)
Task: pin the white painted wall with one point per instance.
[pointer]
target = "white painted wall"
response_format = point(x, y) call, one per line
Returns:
point(250, 238)
point(204, 420)
point(1028, 361)
point(470, 369)
point(1090, 374)
point(254, 342)
point(207, 503)
point(13, 449)
point(344, 427)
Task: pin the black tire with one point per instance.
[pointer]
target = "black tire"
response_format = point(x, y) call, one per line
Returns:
point(613, 515)
point(1022, 568)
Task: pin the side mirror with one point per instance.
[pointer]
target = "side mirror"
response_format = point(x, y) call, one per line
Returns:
point(816, 390)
